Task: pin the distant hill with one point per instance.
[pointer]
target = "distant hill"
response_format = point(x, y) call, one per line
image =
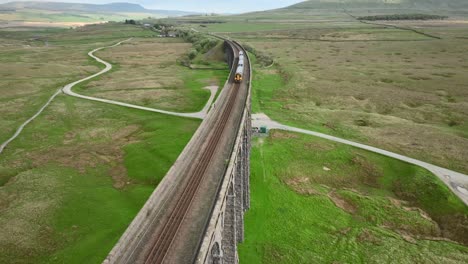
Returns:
point(89, 8)
point(396, 4)
point(342, 9)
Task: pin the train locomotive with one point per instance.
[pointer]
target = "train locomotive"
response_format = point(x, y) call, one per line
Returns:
point(240, 68)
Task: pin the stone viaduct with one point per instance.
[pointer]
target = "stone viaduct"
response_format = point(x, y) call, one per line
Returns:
point(221, 225)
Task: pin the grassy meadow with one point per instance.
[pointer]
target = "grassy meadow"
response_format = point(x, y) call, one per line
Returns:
point(65, 18)
point(34, 63)
point(78, 174)
point(397, 85)
point(147, 73)
point(76, 177)
point(314, 201)
point(388, 87)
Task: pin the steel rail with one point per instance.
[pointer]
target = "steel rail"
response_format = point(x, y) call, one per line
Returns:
point(173, 223)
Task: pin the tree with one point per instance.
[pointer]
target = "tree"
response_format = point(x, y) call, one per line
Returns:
point(130, 21)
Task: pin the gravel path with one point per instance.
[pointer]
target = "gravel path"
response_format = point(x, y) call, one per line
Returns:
point(67, 89)
point(457, 182)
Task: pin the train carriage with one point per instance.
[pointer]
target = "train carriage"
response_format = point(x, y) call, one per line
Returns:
point(240, 68)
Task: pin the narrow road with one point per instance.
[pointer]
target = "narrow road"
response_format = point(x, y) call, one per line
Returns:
point(457, 182)
point(68, 90)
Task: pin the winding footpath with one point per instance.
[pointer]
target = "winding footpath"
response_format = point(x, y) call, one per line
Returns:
point(22, 126)
point(457, 182)
point(67, 89)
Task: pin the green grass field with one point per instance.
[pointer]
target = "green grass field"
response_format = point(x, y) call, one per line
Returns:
point(147, 73)
point(78, 174)
point(247, 27)
point(319, 202)
point(397, 86)
point(34, 63)
point(36, 15)
point(76, 177)
point(390, 88)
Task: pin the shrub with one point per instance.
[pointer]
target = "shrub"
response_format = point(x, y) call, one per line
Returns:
point(262, 58)
point(201, 44)
point(192, 54)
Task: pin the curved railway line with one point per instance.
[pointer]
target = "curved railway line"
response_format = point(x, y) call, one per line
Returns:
point(172, 224)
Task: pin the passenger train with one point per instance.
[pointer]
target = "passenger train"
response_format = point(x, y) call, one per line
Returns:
point(240, 68)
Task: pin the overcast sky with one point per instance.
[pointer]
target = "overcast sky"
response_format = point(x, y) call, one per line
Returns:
point(218, 6)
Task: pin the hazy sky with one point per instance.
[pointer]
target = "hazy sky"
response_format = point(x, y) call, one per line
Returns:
point(218, 6)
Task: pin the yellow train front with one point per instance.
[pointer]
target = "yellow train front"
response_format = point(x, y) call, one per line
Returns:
point(240, 69)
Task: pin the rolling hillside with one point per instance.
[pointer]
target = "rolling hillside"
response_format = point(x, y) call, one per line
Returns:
point(340, 9)
point(66, 13)
point(394, 4)
point(78, 7)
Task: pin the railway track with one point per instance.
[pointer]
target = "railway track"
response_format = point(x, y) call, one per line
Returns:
point(172, 224)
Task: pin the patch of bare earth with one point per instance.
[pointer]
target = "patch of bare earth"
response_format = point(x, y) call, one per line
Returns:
point(368, 172)
point(278, 134)
point(318, 146)
point(454, 227)
point(449, 228)
point(407, 237)
point(342, 203)
point(119, 176)
point(302, 186)
point(344, 231)
point(368, 236)
point(401, 204)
